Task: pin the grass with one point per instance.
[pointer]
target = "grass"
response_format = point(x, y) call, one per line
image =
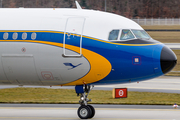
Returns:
point(169, 27)
point(164, 36)
point(44, 95)
point(173, 74)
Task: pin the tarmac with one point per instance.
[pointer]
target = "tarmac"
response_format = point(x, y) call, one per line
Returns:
point(164, 84)
point(103, 112)
point(173, 46)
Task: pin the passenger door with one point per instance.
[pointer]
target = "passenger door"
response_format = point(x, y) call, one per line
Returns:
point(73, 35)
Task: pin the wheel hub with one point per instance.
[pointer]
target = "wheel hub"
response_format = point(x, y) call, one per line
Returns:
point(83, 112)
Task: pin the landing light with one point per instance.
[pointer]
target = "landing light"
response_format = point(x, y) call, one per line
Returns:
point(82, 98)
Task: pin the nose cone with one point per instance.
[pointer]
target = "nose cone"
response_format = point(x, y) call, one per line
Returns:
point(168, 60)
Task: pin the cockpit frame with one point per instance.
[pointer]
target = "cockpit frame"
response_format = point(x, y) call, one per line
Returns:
point(120, 33)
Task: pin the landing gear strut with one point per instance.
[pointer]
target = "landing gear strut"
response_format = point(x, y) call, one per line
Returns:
point(85, 111)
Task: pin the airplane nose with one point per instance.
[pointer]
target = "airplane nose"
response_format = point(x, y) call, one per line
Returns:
point(168, 60)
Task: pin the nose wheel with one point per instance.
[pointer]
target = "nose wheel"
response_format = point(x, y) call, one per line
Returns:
point(92, 110)
point(85, 111)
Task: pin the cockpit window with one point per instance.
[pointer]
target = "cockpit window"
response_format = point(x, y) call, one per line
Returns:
point(141, 34)
point(126, 34)
point(113, 35)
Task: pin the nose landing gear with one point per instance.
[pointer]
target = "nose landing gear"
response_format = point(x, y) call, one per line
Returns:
point(85, 111)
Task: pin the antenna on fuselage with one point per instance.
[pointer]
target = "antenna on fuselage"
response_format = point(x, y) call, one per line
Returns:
point(77, 5)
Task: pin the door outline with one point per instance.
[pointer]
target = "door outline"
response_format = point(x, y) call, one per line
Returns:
point(64, 39)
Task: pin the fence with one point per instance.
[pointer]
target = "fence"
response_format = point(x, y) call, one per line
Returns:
point(158, 21)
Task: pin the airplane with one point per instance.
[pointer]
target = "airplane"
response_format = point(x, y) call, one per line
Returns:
point(77, 47)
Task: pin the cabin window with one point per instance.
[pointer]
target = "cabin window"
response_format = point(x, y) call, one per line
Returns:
point(113, 35)
point(24, 36)
point(126, 35)
point(141, 34)
point(33, 36)
point(15, 36)
point(5, 36)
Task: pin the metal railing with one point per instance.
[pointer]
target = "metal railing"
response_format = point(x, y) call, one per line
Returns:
point(158, 21)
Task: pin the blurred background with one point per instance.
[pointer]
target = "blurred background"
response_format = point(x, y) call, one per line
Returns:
point(127, 8)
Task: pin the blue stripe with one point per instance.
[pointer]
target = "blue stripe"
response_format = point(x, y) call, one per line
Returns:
point(120, 56)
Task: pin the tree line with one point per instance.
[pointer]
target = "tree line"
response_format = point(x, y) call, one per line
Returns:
point(127, 8)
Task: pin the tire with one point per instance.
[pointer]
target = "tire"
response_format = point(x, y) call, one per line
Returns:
point(84, 112)
point(93, 111)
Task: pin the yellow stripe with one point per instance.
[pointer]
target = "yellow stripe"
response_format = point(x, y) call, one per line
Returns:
point(100, 66)
point(84, 37)
point(121, 43)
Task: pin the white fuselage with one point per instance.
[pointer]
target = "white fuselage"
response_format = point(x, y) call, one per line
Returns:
point(26, 61)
